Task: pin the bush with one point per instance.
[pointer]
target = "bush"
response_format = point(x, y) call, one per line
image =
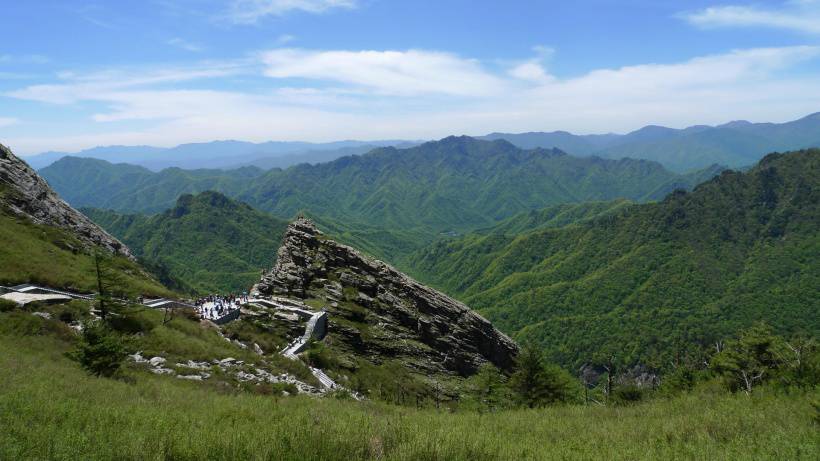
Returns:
point(537, 383)
point(131, 323)
point(627, 394)
point(7, 306)
point(100, 350)
point(319, 356)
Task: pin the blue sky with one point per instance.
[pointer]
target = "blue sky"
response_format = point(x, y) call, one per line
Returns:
point(77, 74)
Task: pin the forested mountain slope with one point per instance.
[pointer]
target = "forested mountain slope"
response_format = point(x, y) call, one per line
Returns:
point(653, 280)
point(456, 184)
point(208, 241)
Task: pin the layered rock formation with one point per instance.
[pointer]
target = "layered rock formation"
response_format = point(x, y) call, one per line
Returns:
point(25, 193)
point(379, 313)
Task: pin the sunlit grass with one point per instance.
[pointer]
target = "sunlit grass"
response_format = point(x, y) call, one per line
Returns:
point(50, 409)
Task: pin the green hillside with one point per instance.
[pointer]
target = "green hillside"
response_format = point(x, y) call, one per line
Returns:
point(456, 184)
point(50, 256)
point(208, 241)
point(87, 182)
point(649, 281)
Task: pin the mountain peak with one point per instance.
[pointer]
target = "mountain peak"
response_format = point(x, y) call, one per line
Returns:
point(368, 295)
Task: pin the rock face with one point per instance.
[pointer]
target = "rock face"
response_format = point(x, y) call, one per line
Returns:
point(27, 194)
point(381, 312)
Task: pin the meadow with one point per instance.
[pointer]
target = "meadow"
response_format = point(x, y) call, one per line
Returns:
point(51, 409)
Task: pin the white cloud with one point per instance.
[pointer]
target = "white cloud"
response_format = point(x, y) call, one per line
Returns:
point(327, 95)
point(801, 16)
point(531, 71)
point(184, 45)
point(8, 121)
point(251, 11)
point(408, 73)
point(100, 86)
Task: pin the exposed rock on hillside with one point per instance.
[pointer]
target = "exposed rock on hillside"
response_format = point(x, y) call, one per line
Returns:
point(379, 313)
point(25, 193)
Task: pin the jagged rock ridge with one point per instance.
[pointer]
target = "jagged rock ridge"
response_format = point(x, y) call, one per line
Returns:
point(30, 196)
point(437, 333)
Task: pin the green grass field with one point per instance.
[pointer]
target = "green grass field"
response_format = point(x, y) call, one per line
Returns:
point(51, 409)
point(49, 256)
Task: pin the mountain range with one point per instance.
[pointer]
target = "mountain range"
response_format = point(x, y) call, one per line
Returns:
point(456, 184)
point(221, 154)
point(735, 144)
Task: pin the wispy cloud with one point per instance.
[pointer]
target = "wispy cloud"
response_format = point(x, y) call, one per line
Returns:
point(251, 11)
point(285, 39)
point(342, 94)
point(798, 15)
point(185, 45)
point(100, 85)
point(411, 72)
point(8, 121)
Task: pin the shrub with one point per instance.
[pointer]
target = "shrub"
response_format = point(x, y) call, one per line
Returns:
point(627, 394)
point(320, 356)
point(100, 350)
point(7, 306)
point(131, 323)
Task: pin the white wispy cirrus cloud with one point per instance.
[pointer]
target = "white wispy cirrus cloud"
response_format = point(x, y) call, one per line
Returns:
point(8, 121)
point(322, 95)
point(105, 85)
point(408, 73)
point(797, 15)
point(251, 11)
point(184, 45)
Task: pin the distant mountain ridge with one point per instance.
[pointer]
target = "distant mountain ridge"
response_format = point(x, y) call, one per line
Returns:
point(220, 154)
point(735, 144)
point(455, 184)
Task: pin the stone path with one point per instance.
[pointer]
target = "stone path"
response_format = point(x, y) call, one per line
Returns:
point(315, 328)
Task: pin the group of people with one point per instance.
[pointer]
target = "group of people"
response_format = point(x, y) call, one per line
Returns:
point(213, 307)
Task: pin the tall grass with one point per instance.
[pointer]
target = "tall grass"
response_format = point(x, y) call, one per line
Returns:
point(51, 256)
point(50, 409)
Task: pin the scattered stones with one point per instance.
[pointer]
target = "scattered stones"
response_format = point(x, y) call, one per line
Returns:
point(195, 365)
point(44, 315)
point(162, 371)
point(258, 349)
point(156, 361)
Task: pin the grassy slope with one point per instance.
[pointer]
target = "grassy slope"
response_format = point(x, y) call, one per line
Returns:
point(47, 255)
point(50, 409)
point(654, 278)
point(208, 241)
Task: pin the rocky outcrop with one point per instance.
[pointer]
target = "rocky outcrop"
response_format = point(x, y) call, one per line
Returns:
point(401, 316)
point(26, 194)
